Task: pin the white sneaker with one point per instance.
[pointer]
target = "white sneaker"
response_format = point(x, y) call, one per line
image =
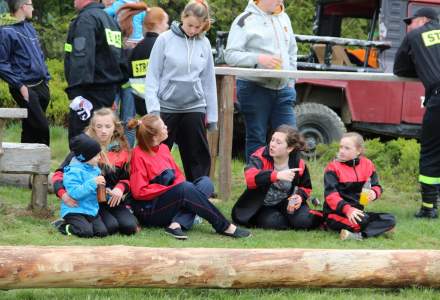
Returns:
point(348, 235)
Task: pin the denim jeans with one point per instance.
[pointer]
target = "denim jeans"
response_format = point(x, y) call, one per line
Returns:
point(127, 111)
point(263, 107)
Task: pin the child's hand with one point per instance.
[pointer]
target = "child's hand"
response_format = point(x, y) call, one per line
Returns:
point(355, 215)
point(371, 195)
point(115, 197)
point(100, 180)
point(69, 201)
point(294, 203)
point(287, 175)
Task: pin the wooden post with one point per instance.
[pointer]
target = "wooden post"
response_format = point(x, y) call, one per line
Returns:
point(39, 192)
point(226, 123)
point(124, 266)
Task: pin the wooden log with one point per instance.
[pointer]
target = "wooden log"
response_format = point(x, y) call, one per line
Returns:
point(226, 124)
point(13, 113)
point(123, 266)
point(25, 158)
point(39, 192)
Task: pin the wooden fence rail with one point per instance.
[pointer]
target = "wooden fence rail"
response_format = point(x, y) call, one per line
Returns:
point(123, 266)
point(225, 92)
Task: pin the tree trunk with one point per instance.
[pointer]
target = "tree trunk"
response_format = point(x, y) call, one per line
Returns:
point(122, 266)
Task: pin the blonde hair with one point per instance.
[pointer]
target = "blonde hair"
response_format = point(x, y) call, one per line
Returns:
point(118, 135)
point(200, 10)
point(357, 139)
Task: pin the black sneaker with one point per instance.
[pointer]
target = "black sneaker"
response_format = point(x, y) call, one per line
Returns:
point(57, 223)
point(428, 213)
point(238, 233)
point(176, 233)
point(64, 229)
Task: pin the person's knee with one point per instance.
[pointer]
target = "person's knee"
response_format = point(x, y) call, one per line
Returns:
point(272, 219)
point(101, 232)
point(204, 184)
point(112, 227)
point(128, 228)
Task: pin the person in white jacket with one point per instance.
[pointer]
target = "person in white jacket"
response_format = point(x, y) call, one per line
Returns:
point(180, 86)
point(262, 37)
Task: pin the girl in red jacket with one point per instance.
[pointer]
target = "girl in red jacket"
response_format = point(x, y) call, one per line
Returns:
point(273, 174)
point(161, 194)
point(344, 180)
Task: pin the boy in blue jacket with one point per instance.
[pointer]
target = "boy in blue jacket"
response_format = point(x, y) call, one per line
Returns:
point(81, 178)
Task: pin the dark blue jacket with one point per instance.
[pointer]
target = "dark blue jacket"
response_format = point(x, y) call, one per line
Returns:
point(21, 57)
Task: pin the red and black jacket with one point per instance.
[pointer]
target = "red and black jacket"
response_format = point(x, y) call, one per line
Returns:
point(343, 182)
point(114, 177)
point(260, 173)
point(153, 174)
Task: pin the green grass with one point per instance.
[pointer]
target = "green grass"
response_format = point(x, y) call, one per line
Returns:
point(20, 227)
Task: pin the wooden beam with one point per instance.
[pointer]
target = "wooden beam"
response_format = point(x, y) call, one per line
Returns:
point(250, 72)
point(25, 158)
point(226, 124)
point(123, 266)
point(13, 113)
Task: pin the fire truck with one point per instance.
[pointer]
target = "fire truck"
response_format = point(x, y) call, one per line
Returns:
point(325, 109)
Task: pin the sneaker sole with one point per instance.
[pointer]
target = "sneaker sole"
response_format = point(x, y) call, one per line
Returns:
point(179, 237)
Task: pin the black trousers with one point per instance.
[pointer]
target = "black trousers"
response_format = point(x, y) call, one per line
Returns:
point(99, 97)
point(35, 128)
point(372, 224)
point(180, 204)
point(86, 226)
point(118, 219)
point(189, 132)
point(277, 218)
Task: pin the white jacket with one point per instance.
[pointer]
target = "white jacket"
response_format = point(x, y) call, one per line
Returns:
point(256, 32)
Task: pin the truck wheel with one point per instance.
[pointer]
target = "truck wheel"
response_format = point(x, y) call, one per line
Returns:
point(318, 124)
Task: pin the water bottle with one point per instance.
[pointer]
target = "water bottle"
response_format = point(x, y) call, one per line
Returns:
point(292, 201)
point(363, 199)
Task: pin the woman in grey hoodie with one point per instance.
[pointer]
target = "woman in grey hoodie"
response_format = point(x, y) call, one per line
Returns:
point(180, 86)
point(262, 37)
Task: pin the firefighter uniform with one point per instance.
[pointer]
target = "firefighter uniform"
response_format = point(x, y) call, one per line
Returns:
point(418, 56)
point(94, 64)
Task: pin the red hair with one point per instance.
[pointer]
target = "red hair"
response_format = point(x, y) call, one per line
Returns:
point(145, 131)
point(155, 16)
point(126, 13)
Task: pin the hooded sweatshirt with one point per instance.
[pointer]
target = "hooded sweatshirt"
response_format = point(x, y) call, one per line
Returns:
point(180, 76)
point(21, 57)
point(256, 32)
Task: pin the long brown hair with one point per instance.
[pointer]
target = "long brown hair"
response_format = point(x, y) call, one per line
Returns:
point(145, 131)
point(200, 10)
point(293, 137)
point(126, 14)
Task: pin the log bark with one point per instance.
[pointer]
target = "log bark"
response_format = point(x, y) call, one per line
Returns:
point(123, 266)
point(39, 192)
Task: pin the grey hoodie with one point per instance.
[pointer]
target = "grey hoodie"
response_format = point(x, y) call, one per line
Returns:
point(256, 32)
point(180, 76)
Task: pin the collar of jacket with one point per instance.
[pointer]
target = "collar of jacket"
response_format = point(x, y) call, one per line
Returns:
point(253, 7)
point(294, 157)
point(92, 5)
point(352, 162)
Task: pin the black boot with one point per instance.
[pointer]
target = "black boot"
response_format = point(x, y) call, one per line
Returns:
point(429, 201)
point(429, 213)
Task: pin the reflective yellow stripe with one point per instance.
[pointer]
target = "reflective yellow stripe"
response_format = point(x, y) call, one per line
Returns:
point(139, 67)
point(114, 38)
point(427, 205)
point(138, 89)
point(429, 180)
point(431, 37)
point(126, 85)
point(68, 47)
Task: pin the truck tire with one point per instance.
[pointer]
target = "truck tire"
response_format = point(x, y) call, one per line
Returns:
point(318, 124)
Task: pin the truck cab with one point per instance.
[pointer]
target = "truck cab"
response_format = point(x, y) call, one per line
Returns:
point(325, 108)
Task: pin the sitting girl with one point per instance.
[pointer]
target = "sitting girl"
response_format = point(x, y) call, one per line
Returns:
point(161, 194)
point(274, 175)
point(344, 180)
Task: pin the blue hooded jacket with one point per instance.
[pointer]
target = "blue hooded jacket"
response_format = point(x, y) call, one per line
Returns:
point(21, 57)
